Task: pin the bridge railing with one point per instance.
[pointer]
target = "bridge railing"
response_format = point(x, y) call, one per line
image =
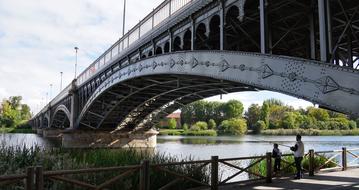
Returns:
point(240, 169)
point(151, 21)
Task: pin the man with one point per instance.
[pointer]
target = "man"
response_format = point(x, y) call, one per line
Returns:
point(298, 150)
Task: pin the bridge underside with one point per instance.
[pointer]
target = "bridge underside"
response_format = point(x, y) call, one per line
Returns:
point(139, 94)
point(129, 103)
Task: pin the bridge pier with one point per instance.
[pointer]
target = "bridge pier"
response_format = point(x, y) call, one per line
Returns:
point(52, 133)
point(39, 131)
point(109, 139)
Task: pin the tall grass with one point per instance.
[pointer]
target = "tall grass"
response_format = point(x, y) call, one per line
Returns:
point(14, 160)
point(287, 169)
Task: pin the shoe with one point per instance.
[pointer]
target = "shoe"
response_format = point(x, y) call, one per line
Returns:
point(296, 177)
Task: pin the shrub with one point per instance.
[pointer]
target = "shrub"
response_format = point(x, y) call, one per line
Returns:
point(172, 124)
point(352, 124)
point(234, 126)
point(259, 126)
point(199, 125)
point(212, 124)
point(185, 126)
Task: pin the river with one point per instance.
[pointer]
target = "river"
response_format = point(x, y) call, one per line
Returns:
point(205, 147)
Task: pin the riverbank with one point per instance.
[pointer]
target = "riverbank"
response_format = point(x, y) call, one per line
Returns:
point(310, 132)
point(181, 132)
point(16, 130)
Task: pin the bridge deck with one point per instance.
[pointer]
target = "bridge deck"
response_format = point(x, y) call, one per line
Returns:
point(348, 179)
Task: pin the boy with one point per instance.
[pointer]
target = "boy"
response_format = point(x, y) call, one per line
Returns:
point(276, 154)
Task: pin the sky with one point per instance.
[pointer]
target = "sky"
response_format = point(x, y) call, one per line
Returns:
point(37, 40)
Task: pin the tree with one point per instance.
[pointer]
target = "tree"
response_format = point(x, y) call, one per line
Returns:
point(264, 114)
point(272, 102)
point(259, 126)
point(233, 109)
point(234, 126)
point(185, 126)
point(212, 124)
point(318, 113)
point(253, 115)
point(290, 120)
point(172, 124)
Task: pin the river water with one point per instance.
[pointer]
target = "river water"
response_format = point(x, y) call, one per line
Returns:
point(205, 147)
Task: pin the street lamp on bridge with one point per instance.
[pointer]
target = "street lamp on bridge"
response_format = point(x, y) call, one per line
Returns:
point(76, 49)
point(61, 80)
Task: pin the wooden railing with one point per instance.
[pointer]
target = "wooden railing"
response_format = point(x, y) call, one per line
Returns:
point(35, 177)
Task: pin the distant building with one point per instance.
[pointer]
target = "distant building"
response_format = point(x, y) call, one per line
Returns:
point(176, 116)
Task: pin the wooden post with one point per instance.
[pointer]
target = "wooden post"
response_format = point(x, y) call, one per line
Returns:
point(39, 183)
point(145, 175)
point(269, 167)
point(344, 158)
point(29, 178)
point(214, 173)
point(311, 162)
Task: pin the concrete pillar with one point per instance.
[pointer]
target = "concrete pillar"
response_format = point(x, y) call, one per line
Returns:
point(263, 25)
point(52, 133)
point(74, 104)
point(323, 32)
point(109, 139)
point(39, 131)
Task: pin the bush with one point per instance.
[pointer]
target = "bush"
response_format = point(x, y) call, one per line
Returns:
point(234, 126)
point(352, 124)
point(172, 124)
point(200, 133)
point(199, 125)
point(259, 126)
point(212, 124)
point(185, 126)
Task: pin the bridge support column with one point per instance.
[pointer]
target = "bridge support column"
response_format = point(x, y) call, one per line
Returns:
point(39, 131)
point(52, 133)
point(263, 25)
point(109, 139)
point(74, 104)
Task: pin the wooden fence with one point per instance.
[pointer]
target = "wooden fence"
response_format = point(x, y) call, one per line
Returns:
point(34, 177)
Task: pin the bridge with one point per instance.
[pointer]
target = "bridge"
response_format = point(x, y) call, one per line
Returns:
point(186, 50)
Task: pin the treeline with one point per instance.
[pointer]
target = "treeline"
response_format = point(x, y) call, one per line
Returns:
point(225, 118)
point(274, 114)
point(13, 113)
point(228, 117)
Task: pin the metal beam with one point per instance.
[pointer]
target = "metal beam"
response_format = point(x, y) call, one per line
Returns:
point(323, 32)
point(263, 26)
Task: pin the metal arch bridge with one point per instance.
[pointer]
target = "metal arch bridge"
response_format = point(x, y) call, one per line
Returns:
point(186, 50)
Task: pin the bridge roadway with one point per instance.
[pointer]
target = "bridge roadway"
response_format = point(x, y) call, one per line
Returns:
point(343, 180)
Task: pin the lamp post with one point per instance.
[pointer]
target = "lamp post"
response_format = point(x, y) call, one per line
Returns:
point(124, 17)
point(61, 80)
point(50, 92)
point(76, 49)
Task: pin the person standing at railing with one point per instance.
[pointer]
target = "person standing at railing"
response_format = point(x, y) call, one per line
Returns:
point(298, 150)
point(277, 155)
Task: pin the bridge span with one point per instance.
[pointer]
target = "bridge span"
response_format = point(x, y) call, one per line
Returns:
point(186, 50)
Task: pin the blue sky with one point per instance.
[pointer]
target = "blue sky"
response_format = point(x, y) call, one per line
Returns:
point(37, 38)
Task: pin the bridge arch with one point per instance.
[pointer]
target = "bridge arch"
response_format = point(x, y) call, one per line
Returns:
point(214, 32)
point(177, 44)
point(201, 37)
point(240, 71)
point(61, 117)
point(187, 40)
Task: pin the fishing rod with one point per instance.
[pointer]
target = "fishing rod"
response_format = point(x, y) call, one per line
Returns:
point(271, 142)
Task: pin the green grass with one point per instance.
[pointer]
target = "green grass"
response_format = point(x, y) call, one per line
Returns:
point(174, 132)
point(14, 160)
point(310, 132)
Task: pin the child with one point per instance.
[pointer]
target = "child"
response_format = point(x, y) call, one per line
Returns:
point(276, 154)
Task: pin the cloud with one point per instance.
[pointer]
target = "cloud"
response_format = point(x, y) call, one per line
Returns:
point(37, 38)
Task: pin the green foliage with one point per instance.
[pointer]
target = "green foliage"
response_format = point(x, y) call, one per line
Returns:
point(212, 124)
point(318, 113)
point(176, 132)
point(259, 126)
point(172, 123)
point(185, 126)
point(264, 114)
point(352, 124)
point(253, 115)
point(310, 132)
point(234, 126)
point(14, 160)
point(233, 109)
point(199, 125)
point(13, 113)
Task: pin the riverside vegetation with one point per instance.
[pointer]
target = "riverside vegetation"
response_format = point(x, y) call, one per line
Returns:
point(273, 117)
point(14, 160)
